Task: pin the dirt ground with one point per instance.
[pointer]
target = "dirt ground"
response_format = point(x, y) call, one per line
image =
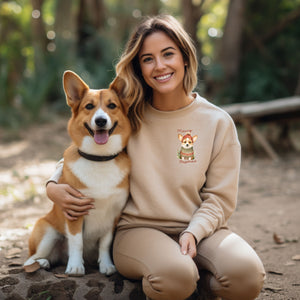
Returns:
point(267, 216)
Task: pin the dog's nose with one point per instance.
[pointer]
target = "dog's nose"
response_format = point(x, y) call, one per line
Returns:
point(101, 122)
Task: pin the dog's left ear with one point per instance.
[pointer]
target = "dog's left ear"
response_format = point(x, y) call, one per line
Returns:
point(118, 86)
point(74, 88)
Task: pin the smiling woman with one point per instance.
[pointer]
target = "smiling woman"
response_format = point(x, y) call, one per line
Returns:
point(164, 29)
point(185, 159)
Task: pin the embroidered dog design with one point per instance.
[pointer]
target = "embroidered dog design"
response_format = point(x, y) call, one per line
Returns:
point(186, 151)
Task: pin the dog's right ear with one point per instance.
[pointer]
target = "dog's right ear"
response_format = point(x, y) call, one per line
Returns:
point(74, 88)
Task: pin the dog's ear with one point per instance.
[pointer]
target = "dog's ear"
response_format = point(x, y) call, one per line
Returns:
point(180, 137)
point(74, 88)
point(118, 86)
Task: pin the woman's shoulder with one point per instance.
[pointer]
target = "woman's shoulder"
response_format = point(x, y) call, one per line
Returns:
point(211, 110)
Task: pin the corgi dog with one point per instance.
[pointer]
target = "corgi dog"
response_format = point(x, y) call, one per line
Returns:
point(187, 146)
point(96, 164)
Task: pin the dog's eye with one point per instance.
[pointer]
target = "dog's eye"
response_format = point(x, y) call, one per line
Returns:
point(89, 106)
point(111, 105)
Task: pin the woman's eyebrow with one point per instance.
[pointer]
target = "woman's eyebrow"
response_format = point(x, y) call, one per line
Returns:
point(168, 49)
point(163, 50)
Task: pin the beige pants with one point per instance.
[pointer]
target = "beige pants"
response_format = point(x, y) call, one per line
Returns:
point(155, 258)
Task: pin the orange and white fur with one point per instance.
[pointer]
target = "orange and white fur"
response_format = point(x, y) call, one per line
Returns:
point(97, 165)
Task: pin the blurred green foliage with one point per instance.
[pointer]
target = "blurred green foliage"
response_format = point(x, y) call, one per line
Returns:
point(28, 88)
point(270, 62)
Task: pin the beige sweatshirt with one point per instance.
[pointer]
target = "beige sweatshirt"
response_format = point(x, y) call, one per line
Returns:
point(174, 192)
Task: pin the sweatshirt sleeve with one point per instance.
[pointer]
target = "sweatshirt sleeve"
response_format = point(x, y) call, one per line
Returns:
point(57, 173)
point(219, 193)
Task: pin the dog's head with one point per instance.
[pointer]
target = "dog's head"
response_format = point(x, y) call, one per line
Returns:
point(187, 140)
point(99, 123)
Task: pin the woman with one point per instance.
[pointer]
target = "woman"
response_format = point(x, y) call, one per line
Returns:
point(183, 188)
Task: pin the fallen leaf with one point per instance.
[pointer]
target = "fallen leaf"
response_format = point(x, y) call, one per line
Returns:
point(12, 256)
point(278, 239)
point(289, 263)
point(61, 275)
point(296, 257)
point(13, 253)
point(32, 268)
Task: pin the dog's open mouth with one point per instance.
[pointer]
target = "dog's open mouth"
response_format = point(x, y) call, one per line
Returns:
point(101, 136)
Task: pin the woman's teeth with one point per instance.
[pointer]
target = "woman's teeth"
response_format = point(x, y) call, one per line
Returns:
point(163, 77)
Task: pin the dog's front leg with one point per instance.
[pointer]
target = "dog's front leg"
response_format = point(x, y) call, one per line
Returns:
point(106, 265)
point(75, 265)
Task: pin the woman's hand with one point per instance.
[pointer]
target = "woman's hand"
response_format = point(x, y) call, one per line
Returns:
point(71, 201)
point(187, 244)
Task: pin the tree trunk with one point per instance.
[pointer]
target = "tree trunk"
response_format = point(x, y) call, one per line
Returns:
point(91, 12)
point(65, 28)
point(192, 14)
point(65, 23)
point(230, 50)
point(39, 39)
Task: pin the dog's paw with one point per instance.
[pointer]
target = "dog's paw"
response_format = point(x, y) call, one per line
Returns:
point(75, 270)
point(44, 263)
point(107, 268)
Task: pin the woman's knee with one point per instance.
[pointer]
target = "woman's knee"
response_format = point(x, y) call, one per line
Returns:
point(244, 280)
point(238, 271)
point(175, 282)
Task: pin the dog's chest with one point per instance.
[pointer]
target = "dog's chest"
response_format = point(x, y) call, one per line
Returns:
point(100, 178)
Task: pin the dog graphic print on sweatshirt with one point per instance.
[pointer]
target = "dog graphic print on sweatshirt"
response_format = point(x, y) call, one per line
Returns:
point(186, 151)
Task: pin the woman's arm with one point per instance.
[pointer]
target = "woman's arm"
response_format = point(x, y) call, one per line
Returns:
point(71, 201)
point(219, 193)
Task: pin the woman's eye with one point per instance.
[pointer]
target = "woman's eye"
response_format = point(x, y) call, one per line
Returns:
point(167, 54)
point(111, 105)
point(89, 106)
point(147, 59)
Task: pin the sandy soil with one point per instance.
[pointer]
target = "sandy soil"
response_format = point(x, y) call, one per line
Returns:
point(267, 216)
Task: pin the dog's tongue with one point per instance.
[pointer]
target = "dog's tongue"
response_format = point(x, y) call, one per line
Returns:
point(101, 137)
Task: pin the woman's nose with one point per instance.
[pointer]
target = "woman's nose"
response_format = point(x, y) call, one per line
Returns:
point(159, 64)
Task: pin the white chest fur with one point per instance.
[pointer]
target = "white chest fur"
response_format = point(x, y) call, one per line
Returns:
point(101, 180)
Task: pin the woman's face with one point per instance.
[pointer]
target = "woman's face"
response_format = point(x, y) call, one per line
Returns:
point(162, 64)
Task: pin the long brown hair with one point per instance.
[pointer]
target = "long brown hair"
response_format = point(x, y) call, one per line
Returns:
point(129, 80)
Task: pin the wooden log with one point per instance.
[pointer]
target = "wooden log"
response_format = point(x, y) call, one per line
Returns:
point(256, 110)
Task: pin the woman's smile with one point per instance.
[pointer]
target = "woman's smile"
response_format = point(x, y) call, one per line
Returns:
point(164, 78)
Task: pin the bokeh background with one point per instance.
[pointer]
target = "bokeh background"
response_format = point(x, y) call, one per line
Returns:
point(248, 50)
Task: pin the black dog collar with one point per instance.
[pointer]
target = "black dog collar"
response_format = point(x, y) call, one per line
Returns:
point(97, 157)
